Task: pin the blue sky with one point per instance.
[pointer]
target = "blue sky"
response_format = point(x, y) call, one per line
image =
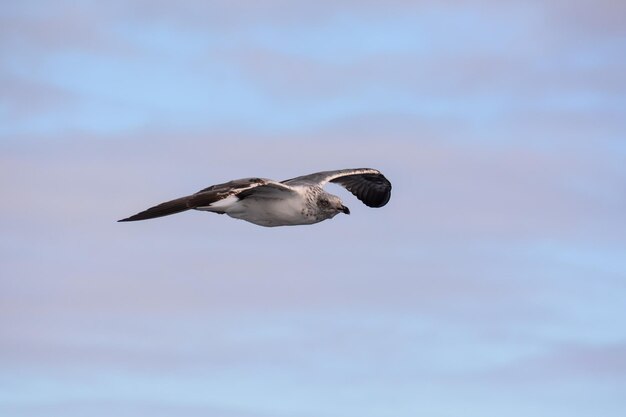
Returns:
point(492, 283)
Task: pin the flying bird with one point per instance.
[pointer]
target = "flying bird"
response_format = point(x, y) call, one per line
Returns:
point(265, 202)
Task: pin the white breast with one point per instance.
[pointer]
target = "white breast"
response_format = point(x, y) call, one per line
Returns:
point(271, 212)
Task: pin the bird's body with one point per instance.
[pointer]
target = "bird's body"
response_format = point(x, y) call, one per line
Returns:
point(269, 203)
point(295, 208)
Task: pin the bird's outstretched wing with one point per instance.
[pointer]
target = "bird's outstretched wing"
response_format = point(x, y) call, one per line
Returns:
point(367, 184)
point(241, 189)
point(211, 197)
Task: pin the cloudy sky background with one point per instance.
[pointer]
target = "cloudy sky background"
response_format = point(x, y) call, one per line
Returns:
point(492, 284)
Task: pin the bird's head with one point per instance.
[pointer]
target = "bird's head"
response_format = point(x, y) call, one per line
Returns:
point(331, 205)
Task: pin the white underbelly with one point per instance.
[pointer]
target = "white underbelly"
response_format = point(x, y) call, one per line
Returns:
point(271, 212)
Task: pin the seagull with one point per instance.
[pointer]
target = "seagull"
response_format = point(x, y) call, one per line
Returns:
point(269, 203)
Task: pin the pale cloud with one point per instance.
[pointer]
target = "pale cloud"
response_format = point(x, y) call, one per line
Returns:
point(24, 99)
point(317, 67)
point(565, 363)
point(29, 30)
point(511, 189)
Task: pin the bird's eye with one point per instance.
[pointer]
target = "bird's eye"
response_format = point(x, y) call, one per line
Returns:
point(324, 203)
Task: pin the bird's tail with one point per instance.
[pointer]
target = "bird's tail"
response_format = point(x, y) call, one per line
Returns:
point(163, 209)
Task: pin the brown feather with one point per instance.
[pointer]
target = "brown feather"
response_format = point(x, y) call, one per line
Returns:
point(163, 209)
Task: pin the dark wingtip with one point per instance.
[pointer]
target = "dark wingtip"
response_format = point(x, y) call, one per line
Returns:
point(139, 216)
point(163, 209)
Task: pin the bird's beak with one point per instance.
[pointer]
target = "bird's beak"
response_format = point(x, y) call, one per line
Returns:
point(345, 209)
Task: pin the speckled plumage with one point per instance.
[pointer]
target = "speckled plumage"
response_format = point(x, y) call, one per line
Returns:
point(269, 203)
